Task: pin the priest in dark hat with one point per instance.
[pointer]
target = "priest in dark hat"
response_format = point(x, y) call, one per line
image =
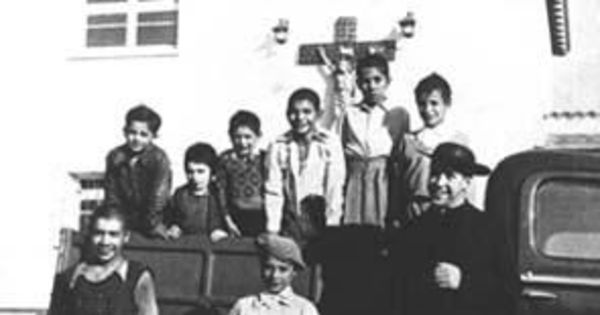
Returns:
point(451, 260)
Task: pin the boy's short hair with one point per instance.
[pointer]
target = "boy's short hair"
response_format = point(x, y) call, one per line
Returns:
point(304, 94)
point(431, 83)
point(201, 152)
point(109, 211)
point(374, 61)
point(244, 118)
point(145, 114)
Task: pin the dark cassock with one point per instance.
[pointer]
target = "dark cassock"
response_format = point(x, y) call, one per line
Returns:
point(452, 259)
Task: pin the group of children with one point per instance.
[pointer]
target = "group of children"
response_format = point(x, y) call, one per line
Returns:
point(309, 178)
point(224, 195)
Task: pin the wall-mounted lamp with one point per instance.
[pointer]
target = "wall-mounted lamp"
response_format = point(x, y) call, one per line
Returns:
point(280, 31)
point(407, 25)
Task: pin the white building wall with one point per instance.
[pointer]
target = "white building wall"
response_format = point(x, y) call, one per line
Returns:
point(61, 113)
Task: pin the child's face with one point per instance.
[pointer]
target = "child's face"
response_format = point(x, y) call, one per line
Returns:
point(432, 108)
point(302, 117)
point(107, 238)
point(373, 84)
point(198, 175)
point(244, 140)
point(138, 135)
point(277, 274)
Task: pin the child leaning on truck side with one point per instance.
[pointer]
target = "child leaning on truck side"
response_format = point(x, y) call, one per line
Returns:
point(138, 173)
point(241, 177)
point(194, 208)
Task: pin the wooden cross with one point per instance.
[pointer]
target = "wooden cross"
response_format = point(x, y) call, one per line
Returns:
point(345, 38)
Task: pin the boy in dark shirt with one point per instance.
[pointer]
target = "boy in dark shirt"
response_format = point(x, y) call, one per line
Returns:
point(105, 282)
point(194, 208)
point(138, 174)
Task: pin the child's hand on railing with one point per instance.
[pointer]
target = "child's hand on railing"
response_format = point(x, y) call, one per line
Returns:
point(218, 235)
point(159, 231)
point(174, 232)
point(232, 227)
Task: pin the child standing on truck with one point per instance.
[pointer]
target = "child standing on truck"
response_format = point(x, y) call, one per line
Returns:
point(138, 173)
point(241, 177)
point(433, 97)
point(194, 208)
point(280, 261)
point(370, 129)
point(105, 282)
point(306, 172)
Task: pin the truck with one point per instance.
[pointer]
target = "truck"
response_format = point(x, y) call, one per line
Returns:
point(547, 202)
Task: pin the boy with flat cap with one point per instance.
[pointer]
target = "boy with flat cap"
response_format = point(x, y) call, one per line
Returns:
point(280, 260)
point(451, 260)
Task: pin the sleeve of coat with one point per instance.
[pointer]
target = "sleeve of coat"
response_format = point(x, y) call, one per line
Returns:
point(222, 186)
point(160, 190)
point(335, 179)
point(274, 198)
point(111, 195)
point(490, 279)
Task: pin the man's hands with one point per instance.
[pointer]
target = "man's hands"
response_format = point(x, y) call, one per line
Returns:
point(447, 276)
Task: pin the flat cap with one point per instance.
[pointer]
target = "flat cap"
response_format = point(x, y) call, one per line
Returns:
point(280, 247)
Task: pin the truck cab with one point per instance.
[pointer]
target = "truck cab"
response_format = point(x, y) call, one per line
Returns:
point(548, 201)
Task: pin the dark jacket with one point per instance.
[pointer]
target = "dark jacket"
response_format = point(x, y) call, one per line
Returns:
point(462, 236)
point(139, 183)
point(194, 214)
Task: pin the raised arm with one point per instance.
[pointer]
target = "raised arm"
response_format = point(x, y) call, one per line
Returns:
point(328, 63)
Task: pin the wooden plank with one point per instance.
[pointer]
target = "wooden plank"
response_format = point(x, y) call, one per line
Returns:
point(309, 54)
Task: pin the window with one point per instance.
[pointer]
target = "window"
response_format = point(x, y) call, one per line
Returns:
point(130, 27)
point(567, 212)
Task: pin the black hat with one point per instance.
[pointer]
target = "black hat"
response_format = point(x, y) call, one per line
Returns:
point(458, 158)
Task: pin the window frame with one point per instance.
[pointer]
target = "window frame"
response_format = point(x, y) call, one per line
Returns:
point(531, 255)
point(131, 9)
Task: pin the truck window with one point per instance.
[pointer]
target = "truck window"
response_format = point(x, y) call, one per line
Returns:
point(567, 218)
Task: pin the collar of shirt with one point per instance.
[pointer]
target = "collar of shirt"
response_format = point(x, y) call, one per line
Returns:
point(119, 268)
point(317, 135)
point(368, 109)
point(270, 300)
point(248, 158)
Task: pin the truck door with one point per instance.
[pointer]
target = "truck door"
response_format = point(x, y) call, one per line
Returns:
point(549, 202)
point(559, 245)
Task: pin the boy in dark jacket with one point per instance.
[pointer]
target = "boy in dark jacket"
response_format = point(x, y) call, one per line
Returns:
point(138, 174)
